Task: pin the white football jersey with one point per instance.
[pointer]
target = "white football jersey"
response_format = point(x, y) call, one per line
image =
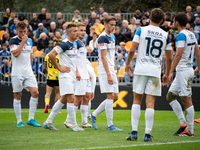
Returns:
point(21, 65)
point(187, 40)
point(81, 60)
point(106, 42)
point(67, 52)
point(153, 41)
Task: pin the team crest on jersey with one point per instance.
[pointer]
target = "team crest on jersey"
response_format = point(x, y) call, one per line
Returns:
point(101, 44)
point(73, 48)
point(111, 41)
point(25, 44)
point(57, 47)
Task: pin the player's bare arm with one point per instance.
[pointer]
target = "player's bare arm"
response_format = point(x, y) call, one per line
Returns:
point(105, 65)
point(197, 55)
point(130, 57)
point(52, 57)
point(116, 71)
point(166, 78)
point(18, 51)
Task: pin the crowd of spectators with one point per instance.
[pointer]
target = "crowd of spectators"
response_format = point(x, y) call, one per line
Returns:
point(47, 33)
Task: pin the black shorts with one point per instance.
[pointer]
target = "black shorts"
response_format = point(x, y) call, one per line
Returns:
point(52, 83)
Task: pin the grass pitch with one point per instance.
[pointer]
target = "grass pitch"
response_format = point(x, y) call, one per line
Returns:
point(165, 124)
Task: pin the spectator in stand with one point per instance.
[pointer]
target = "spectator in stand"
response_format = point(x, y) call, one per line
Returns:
point(196, 35)
point(188, 9)
point(187, 26)
point(166, 24)
point(93, 42)
point(51, 45)
point(132, 26)
point(7, 29)
point(118, 21)
point(59, 25)
point(64, 35)
point(92, 30)
point(34, 22)
point(105, 14)
point(91, 10)
point(144, 21)
point(77, 18)
point(100, 13)
point(86, 22)
point(43, 42)
point(190, 18)
point(124, 53)
point(92, 20)
point(125, 30)
point(119, 36)
point(138, 15)
point(21, 17)
point(90, 54)
point(198, 13)
point(46, 22)
point(6, 38)
point(6, 17)
point(40, 30)
point(30, 34)
point(42, 16)
point(98, 26)
point(197, 26)
point(28, 25)
point(13, 28)
point(146, 14)
point(57, 38)
point(120, 47)
point(59, 15)
point(52, 29)
point(11, 21)
point(120, 61)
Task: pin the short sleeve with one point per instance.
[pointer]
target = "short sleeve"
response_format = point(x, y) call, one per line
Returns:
point(180, 40)
point(13, 45)
point(103, 42)
point(137, 35)
point(168, 43)
point(61, 47)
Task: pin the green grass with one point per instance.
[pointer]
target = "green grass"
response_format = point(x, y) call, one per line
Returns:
point(165, 124)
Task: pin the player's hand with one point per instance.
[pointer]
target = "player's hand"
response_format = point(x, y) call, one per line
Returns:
point(24, 38)
point(78, 76)
point(117, 77)
point(128, 68)
point(92, 96)
point(90, 77)
point(64, 69)
point(165, 79)
point(110, 80)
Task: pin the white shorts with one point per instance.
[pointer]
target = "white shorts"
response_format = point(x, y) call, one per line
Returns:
point(182, 83)
point(105, 86)
point(66, 86)
point(147, 84)
point(82, 87)
point(21, 82)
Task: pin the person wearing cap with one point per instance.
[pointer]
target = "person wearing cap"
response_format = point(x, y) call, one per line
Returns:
point(91, 10)
point(77, 18)
point(46, 22)
point(40, 30)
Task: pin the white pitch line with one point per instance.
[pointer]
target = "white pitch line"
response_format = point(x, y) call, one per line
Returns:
point(134, 145)
point(13, 112)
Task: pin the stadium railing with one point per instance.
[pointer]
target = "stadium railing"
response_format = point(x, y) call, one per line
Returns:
point(37, 66)
point(68, 16)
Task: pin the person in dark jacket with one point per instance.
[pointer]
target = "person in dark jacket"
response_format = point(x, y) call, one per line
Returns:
point(119, 36)
point(7, 16)
point(51, 45)
point(21, 17)
point(34, 22)
point(118, 21)
point(46, 22)
point(43, 42)
point(42, 16)
point(11, 21)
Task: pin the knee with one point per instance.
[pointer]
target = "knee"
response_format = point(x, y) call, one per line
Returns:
point(18, 96)
point(35, 93)
point(170, 97)
point(110, 96)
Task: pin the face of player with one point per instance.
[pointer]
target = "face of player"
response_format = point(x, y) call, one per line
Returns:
point(21, 32)
point(81, 32)
point(73, 35)
point(109, 27)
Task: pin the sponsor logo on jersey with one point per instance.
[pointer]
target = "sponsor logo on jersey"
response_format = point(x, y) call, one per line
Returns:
point(154, 33)
point(101, 44)
point(73, 48)
point(57, 47)
point(111, 41)
point(12, 46)
point(25, 44)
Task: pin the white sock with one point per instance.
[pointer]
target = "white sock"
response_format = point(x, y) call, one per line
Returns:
point(55, 110)
point(84, 113)
point(89, 107)
point(32, 107)
point(149, 114)
point(71, 112)
point(99, 109)
point(109, 111)
point(17, 109)
point(178, 111)
point(190, 118)
point(135, 116)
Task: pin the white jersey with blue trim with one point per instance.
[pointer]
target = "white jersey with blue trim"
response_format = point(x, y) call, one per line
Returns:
point(81, 60)
point(21, 65)
point(187, 40)
point(153, 41)
point(106, 42)
point(67, 52)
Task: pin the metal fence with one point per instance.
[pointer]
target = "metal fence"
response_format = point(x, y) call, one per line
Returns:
point(37, 67)
point(68, 16)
